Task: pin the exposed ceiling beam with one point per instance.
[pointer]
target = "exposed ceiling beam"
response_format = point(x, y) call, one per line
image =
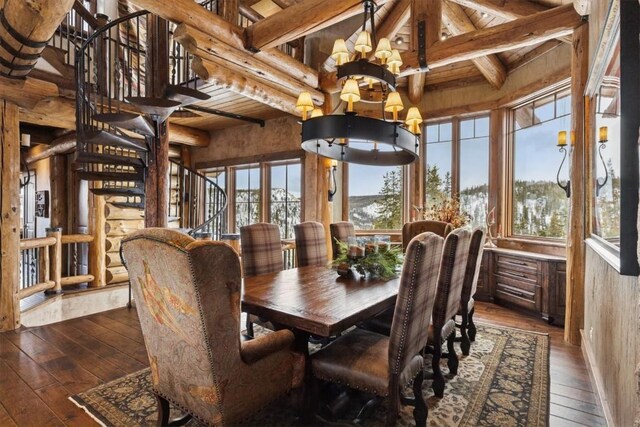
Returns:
point(457, 22)
point(301, 19)
point(429, 14)
point(505, 9)
point(527, 31)
point(531, 30)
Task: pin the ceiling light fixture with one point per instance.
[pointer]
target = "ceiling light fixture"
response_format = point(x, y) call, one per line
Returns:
point(350, 137)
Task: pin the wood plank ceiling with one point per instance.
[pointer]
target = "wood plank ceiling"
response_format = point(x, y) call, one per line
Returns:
point(461, 73)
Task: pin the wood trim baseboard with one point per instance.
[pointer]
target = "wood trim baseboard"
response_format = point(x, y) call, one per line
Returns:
point(596, 379)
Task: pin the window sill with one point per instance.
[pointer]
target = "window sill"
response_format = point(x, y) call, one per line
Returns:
point(542, 246)
point(607, 252)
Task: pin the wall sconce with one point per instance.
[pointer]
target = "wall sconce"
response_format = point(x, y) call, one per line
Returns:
point(562, 143)
point(333, 186)
point(602, 140)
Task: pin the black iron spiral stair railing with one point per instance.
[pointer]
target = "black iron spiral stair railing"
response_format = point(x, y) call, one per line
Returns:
point(117, 120)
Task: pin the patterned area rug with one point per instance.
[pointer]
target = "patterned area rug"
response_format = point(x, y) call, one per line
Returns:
point(503, 382)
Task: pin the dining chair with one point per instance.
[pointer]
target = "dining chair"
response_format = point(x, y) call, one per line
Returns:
point(261, 254)
point(470, 283)
point(384, 365)
point(187, 295)
point(341, 231)
point(311, 244)
point(412, 229)
point(448, 295)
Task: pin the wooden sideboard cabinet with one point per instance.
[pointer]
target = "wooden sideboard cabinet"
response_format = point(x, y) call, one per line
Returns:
point(530, 281)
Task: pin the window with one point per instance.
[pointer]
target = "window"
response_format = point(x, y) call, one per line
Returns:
point(474, 168)
point(247, 195)
point(285, 193)
point(375, 197)
point(438, 155)
point(539, 206)
point(606, 220)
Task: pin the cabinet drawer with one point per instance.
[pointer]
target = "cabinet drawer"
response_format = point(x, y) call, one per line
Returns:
point(516, 263)
point(521, 274)
point(526, 298)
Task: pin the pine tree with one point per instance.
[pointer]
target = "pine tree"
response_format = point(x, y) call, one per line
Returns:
point(446, 187)
point(390, 202)
point(433, 184)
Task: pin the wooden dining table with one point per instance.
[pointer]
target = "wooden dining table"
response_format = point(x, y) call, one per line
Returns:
point(316, 300)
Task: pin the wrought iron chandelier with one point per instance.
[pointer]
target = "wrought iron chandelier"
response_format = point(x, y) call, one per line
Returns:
point(350, 137)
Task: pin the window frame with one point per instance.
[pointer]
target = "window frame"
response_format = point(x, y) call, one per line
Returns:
point(268, 175)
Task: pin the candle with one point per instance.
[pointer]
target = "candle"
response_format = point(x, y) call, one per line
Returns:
point(359, 251)
point(353, 250)
point(604, 134)
point(562, 138)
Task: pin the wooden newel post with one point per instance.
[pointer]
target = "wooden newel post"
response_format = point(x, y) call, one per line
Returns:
point(55, 260)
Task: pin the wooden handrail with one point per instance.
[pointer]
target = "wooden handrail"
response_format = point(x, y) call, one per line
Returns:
point(76, 238)
point(40, 242)
point(86, 15)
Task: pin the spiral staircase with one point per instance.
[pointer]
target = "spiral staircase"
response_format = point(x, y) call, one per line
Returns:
point(119, 121)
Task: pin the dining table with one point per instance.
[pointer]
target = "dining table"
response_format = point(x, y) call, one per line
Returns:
point(315, 300)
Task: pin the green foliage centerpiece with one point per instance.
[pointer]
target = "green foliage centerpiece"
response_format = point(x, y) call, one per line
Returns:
point(368, 257)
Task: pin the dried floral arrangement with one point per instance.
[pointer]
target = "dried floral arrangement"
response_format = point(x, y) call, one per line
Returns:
point(446, 209)
point(376, 260)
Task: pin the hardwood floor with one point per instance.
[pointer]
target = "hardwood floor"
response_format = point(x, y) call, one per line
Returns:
point(41, 367)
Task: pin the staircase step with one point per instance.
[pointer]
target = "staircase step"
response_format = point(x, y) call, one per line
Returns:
point(109, 159)
point(130, 121)
point(123, 191)
point(102, 137)
point(185, 95)
point(158, 108)
point(130, 205)
point(111, 176)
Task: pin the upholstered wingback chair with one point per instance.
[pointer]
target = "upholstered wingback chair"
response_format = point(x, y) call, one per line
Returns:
point(187, 296)
point(412, 229)
point(469, 286)
point(311, 244)
point(342, 231)
point(450, 281)
point(382, 364)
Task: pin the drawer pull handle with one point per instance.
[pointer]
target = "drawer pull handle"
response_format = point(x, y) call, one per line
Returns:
point(516, 293)
point(517, 263)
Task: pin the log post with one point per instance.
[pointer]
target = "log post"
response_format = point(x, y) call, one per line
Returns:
point(9, 216)
point(156, 211)
point(55, 260)
point(97, 248)
point(59, 211)
point(25, 29)
point(574, 316)
point(496, 169)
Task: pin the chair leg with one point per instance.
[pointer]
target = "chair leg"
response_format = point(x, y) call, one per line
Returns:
point(394, 405)
point(163, 411)
point(249, 327)
point(421, 411)
point(465, 343)
point(472, 326)
point(438, 378)
point(452, 358)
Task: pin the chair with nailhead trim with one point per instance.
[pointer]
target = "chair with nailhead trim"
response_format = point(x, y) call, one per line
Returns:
point(467, 303)
point(190, 320)
point(383, 365)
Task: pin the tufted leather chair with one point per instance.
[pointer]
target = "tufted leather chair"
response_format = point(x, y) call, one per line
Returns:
point(311, 244)
point(381, 364)
point(466, 310)
point(342, 231)
point(187, 296)
point(450, 282)
point(261, 254)
point(412, 229)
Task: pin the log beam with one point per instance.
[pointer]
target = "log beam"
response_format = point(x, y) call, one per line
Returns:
point(430, 14)
point(224, 77)
point(299, 20)
point(505, 9)
point(25, 30)
point(457, 22)
point(59, 145)
point(202, 45)
point(574, 316)
point(9, 216)
point(415, 87)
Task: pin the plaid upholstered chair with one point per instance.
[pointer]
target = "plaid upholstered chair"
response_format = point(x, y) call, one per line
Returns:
point(381, 364)
point(190, 320)
point(341, 231)
point(261, 254)
point(412, 229)
point(311, 246)
point(474, 260)
point(450, 281)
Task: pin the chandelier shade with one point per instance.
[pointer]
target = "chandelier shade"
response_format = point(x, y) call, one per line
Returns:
point(338, 136)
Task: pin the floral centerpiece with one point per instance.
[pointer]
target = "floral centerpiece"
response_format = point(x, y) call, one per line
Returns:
point(368, 257)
